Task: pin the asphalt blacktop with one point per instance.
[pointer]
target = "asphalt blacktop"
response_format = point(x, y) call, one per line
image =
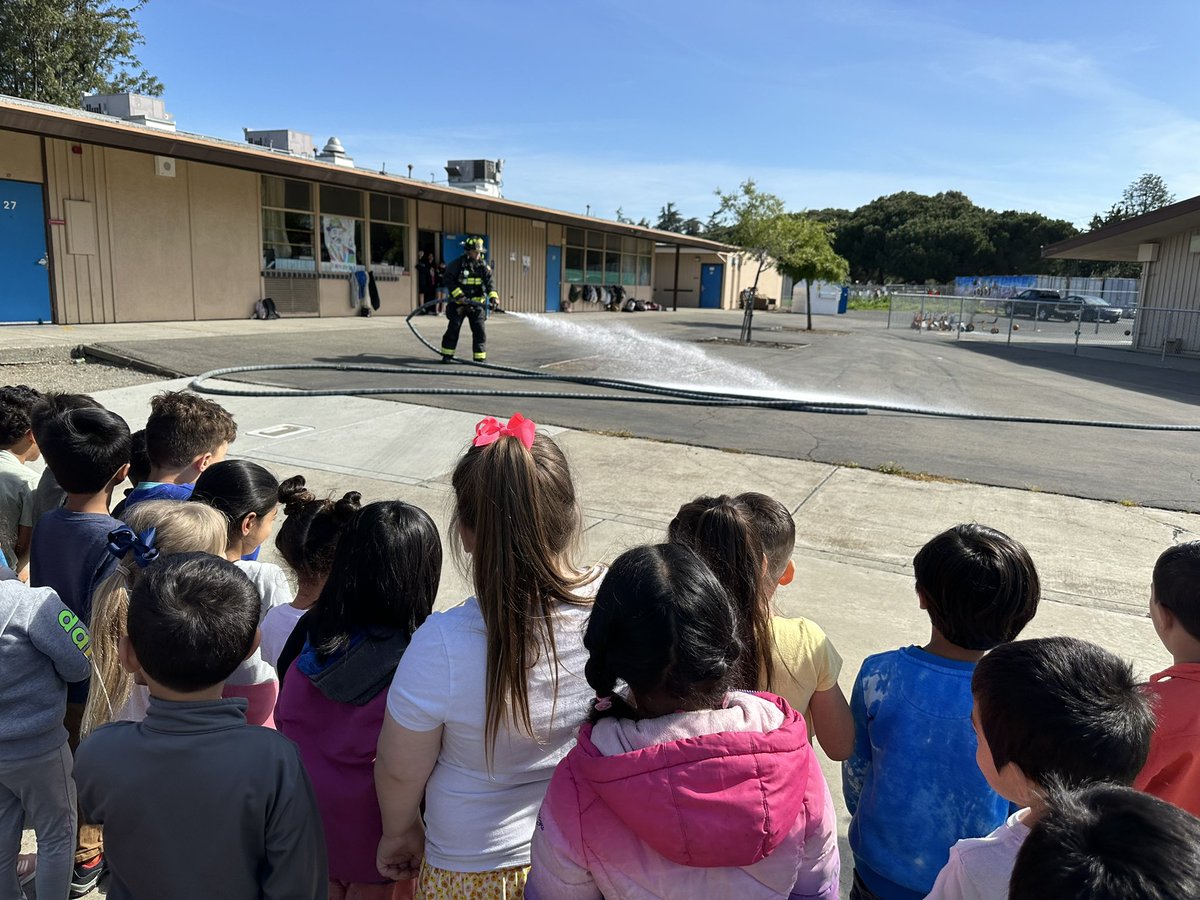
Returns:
point(857, 529)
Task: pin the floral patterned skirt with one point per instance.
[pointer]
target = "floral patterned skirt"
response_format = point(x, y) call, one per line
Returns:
point(441, 884)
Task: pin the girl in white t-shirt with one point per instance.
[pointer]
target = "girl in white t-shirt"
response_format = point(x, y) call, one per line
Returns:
point(487, 698)
point(306, 541)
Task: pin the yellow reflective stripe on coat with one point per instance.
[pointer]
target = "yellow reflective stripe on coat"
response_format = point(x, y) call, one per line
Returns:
point(457, 292)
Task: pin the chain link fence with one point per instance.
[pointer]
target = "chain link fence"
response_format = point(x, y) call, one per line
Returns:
point(1065, 323)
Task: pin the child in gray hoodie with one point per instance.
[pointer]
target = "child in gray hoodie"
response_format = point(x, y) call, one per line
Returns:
point(44, 646)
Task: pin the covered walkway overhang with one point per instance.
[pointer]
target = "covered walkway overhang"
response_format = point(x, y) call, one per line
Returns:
point(1119, 242)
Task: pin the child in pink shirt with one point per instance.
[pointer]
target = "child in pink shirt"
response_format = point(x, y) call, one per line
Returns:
point(682, 788)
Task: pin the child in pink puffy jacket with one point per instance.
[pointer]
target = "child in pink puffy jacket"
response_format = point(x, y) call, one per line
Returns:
point(683, 788)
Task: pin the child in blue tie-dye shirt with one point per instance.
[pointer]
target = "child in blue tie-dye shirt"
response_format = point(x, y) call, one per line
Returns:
point(911, 784)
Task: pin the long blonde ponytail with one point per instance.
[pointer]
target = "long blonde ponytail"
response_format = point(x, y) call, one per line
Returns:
point(179, 528)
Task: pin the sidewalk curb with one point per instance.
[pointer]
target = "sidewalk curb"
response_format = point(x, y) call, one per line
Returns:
point(102, 354)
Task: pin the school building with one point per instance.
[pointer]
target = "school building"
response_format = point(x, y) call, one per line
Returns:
point(1167, 243)
point(110, 214)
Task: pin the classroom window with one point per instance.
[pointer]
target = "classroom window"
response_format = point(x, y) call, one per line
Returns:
point(389, 233)
point(288, 225)
point(593, 257)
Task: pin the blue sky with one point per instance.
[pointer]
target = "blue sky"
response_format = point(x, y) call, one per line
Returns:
point(1051, 106)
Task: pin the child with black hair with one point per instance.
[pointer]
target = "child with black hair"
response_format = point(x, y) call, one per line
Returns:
point(194, 803)
point(914, 745)
point(381, 588)
point(139, 469)
point(86, 447)
point(1173, 770)
point(18, 448)
point(1050, 714)
point(248, 496)
point(307, 541)
point(1109, 843)
point(682, 787)
point(185, 434)
point(49, 494)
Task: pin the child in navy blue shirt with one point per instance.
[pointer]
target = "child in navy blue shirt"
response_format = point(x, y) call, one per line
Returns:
point(911, 784)
point(87, 449)
point(185, 434)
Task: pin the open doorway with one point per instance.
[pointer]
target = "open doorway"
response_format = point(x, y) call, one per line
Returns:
point(430, 269)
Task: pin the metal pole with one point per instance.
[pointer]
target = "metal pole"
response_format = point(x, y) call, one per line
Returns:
point(675, 292)
point(962, 303)
point(1012, 311)
point(891, 300)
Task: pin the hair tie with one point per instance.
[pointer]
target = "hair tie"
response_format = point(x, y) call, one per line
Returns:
point(490, 430)
point(121, 541)
point(602, 704)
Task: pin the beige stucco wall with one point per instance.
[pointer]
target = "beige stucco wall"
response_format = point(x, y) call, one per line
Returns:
point(20, 156)
point(162, 248)
point(397, 298)
point(225, 241)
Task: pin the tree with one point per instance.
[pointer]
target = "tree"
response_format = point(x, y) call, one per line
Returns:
point(1144, 194)
point(669, 219)
point(56, 51)
point(753, 220)
point(622, 218)
point(804, 254)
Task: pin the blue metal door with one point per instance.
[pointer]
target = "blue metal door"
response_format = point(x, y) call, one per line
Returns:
point(553, 279)
point(24, 268)
point(712, 278)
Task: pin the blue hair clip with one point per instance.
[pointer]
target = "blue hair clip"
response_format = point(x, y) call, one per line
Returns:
point(121, 541)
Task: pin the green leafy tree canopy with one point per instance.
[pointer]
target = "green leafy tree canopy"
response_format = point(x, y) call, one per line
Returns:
point(56, 51)
point(804, 253)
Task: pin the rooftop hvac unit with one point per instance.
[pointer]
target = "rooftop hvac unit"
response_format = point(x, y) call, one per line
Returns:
point(164, 166)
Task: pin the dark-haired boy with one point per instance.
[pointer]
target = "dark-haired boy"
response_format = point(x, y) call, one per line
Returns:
point(911, 784)
point(17, 481)
point(48, 494)
point(185, 434)
point(87, 449)
point(1050, 714)
point(1109, 843)
point(1173, 770)
point(194, 803)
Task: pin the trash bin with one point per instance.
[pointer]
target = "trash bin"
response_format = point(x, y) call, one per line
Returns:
point(843, 300)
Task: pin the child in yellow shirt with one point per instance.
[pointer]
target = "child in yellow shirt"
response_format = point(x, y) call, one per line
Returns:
point(806, 663)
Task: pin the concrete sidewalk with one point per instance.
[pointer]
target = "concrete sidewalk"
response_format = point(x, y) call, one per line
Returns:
point(857, 529)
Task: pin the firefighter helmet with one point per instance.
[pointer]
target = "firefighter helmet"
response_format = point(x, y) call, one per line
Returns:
point(474, 243)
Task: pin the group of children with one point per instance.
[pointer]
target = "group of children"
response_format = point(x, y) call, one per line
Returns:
point(177, 714)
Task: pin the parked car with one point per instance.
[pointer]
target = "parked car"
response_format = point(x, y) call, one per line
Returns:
point(1094, 309)
point(1040, 303)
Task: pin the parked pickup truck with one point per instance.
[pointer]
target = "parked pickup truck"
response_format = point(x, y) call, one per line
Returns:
point(1040, 303)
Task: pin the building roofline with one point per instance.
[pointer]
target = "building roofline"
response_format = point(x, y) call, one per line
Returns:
point(46, 120)
point(1119, 241)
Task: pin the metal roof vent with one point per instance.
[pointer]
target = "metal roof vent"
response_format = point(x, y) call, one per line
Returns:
point(335, 153)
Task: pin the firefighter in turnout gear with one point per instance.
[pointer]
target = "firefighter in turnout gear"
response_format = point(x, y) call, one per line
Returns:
point(469, 281)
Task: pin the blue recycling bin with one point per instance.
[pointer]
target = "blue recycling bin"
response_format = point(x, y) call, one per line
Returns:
point(843, 300)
